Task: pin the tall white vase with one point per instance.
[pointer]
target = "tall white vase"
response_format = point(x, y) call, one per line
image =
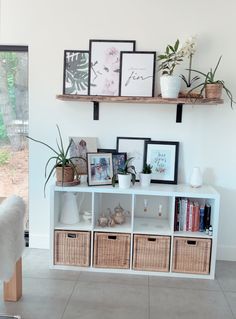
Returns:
point(196, 177)
point(170, 86)
point(69, 209)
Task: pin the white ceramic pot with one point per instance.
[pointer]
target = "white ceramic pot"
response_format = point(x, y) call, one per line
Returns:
point(170, 86)
point(196, 177)
point(69, 209)
point(124, 180)
point(145, 179)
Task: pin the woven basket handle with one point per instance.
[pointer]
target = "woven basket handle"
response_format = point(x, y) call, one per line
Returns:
point(192, 242)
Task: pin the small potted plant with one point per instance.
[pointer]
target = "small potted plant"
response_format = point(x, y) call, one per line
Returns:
point(63, 167)
point(126, 174)
point(145, 175)
point(213, 87)
point(170, 83)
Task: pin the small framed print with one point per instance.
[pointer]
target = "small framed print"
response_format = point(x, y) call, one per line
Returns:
point(76, 71)
point(163, 157)
point(134, 147)
point(105, 65)
point(137, 75)
point(100, 169)
point(118, 161)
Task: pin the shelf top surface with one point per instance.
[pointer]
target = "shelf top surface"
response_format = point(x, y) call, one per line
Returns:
point(179, 190)
point(136, 99)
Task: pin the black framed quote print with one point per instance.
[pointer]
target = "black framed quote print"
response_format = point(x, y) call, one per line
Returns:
point(137, 76)
point(105, 65)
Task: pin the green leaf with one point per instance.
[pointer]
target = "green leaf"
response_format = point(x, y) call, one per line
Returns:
point(176, 46)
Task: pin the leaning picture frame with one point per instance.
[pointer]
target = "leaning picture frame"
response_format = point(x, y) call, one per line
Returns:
point(163, 157)
point(100, 169)
point(104, 65)
point(76, 72)
point(134, 147)
point(118, 161)
point(137, 73)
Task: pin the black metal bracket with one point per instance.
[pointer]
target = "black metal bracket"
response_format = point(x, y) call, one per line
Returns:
point(179, 112)
point(96, 110)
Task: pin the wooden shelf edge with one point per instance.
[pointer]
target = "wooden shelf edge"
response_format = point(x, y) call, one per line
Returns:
point(131, 99)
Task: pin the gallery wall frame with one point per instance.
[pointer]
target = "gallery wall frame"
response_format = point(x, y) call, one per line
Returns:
point(137, 73)
point(163, 156)
point(104, 64)
point(76, 72)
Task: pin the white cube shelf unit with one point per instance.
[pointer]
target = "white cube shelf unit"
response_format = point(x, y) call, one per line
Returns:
point(151, 213)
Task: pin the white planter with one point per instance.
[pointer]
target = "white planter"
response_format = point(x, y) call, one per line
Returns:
point(145, 179)
point(170, 86)
point(196, 177)
point(124, 180)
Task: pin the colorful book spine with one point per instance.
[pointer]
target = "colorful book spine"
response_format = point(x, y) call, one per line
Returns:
point(201, 224)
point(190, 223)
point(207, 217)
point(196, 218)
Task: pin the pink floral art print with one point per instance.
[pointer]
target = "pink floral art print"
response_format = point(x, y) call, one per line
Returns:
point(105, 66)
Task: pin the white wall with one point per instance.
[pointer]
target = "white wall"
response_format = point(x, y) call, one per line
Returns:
point(206, 134)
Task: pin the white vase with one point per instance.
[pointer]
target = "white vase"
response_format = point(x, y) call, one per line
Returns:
point(196, 177)
point(124, 180)
point(145, 179)
point(69, 209)
point(170, 86)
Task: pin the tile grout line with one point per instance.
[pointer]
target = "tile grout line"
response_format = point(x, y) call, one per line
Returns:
point(148, 298)
point(227, 302)
point(75, 284)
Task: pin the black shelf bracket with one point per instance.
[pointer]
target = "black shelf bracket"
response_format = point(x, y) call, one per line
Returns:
point(179, 112)
point(96, 110)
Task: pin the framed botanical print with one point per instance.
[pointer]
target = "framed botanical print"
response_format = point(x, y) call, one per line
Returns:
point(100, 169)
point(105, 65)
point(137, 75)
point(134, 147)
point(163, 157)
point(76, 71)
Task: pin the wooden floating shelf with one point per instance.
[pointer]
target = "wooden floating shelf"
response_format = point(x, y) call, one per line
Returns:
point(96, 99)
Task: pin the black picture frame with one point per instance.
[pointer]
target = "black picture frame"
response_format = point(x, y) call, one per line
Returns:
point(104, 62)
point(163, 156)
point(100, 169)
point(118, 161)
point(76, 72)
point(134, 147)
point(137, 73)
point(107, 150)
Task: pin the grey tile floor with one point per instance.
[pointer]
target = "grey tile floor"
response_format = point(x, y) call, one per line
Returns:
point(54, 294)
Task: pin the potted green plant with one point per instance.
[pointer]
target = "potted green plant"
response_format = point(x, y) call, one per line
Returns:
point(170, 83)
point(126, 174)
point(213, 87)
point(63, 164)
point(145, 175)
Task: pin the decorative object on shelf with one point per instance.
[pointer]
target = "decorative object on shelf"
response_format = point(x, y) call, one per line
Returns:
point(137, 73)
point(87, 216)
point(79, 148)
point(103, 220)
point(125, 175)
point(170, 83)
point(213, 88)
point(76, 69)
point(189, 48)
point(63, 163)
point(100, 169)
point(69, 209)
point(145, 204)
point(196, 177)
point(105, 65)
point(163, 156)
point(160, 210)
point(134, 147)
point(146, 175)
point(120, 214)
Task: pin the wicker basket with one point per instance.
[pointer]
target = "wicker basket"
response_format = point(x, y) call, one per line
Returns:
point(191, 255)
point(151, 253)
point(111, 250)
point(72, 248)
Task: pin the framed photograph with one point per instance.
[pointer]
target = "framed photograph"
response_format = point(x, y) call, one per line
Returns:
point(80, 146)
point(134, 147)
point(104, 64)
point(76, 72)
point(118, 161)
point(163, 156)
point(100, 169)
point(137, 73)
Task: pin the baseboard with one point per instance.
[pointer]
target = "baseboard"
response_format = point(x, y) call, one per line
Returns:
point(226, 253)
point(38, 241)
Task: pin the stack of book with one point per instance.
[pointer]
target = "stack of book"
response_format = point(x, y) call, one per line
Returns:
point(191, 216)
